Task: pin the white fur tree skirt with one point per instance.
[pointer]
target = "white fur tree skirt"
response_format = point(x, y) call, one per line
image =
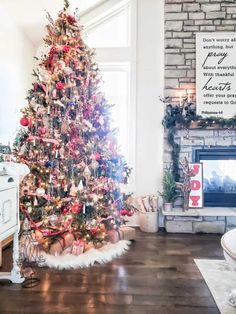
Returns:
point(103, 255)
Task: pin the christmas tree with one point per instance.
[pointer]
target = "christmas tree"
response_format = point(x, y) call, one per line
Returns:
point(69, 145)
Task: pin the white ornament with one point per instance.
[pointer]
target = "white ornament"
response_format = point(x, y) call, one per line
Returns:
point(93, 222)
point(22, 150)
point(101, 120)
point(80, 186)
point(94, 164)
point(87, 173)
point(43, 75)
point(73, 189)
point(67, 70)
point(40, 192)
point(35, 201)
point(59, 103)
point(88, 124)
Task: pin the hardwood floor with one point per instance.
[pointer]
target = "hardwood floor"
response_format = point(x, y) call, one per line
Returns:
point(157, 275)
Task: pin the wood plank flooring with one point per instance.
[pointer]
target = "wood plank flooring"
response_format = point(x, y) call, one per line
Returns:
point(157, 275)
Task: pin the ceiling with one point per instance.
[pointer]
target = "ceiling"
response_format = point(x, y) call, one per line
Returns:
point(30, 15)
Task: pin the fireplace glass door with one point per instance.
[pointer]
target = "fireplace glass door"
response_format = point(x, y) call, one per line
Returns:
point(219, 175)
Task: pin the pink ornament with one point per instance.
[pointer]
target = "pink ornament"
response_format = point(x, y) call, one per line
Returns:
point(47, 197)
point(97, 156)
point(42, 130)
point(66, 48)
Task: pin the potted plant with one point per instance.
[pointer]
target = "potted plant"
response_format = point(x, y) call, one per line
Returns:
point(169, 193)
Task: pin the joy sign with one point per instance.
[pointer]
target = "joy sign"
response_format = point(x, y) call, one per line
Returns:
point(196, 184)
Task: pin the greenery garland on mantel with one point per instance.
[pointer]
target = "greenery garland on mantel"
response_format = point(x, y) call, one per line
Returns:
point(184, 116)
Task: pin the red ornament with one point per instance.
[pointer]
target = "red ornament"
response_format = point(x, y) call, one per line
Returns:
point(75, 208)
point(59, 86)
point(130, 213)
point(94, 231)
point(97, 156)
point(123, 212)
point(24, 121)
point(66, 48)
point(71, 20)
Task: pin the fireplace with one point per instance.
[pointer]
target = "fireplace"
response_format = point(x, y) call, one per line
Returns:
point(219, 175)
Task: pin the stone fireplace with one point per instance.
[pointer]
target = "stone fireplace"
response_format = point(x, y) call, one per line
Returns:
point(216, 148)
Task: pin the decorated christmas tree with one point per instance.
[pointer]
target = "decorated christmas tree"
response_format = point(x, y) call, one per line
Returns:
point(66, 139)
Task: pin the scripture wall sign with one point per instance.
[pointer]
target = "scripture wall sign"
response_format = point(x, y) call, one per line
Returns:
point(216, 74)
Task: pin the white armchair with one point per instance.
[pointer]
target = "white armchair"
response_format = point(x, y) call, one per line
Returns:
point(228, 243)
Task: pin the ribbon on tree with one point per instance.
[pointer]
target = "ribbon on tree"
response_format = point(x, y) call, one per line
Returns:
point(47, 140)
point(47, 232)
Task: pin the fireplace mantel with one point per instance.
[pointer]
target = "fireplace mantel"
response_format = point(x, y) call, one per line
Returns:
point(205, 220)
point(204, 212)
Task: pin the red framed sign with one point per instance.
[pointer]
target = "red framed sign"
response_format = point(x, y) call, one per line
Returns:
point(196, 184)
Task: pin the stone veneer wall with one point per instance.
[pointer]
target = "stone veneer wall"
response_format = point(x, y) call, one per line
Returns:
point(183, 19)
point(199, 224)
point(199, 139)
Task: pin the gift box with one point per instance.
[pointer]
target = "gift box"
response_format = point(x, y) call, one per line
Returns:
point(88, 246)
point(128, 233)
point(114, 235)
point(122, 233)
point(62, 243)
point(77, 247)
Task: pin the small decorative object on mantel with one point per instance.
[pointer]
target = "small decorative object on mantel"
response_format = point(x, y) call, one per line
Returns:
point(169, 193)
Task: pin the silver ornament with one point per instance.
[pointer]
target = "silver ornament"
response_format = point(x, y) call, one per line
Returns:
point(53, 219)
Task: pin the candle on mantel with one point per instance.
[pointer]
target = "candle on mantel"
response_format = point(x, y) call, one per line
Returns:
point(189, 96)
point(180, 99)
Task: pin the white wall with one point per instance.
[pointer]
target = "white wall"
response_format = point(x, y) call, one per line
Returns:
point(150, 84)
point(16, 62)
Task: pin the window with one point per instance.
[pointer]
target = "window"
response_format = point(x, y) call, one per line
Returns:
point(113, 34)
point(117, 91)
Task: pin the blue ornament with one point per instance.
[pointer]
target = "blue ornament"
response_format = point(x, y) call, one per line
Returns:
point(48, 164)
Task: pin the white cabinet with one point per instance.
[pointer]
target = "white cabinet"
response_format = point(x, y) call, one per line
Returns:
point(8, 212)
point(9, 221)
